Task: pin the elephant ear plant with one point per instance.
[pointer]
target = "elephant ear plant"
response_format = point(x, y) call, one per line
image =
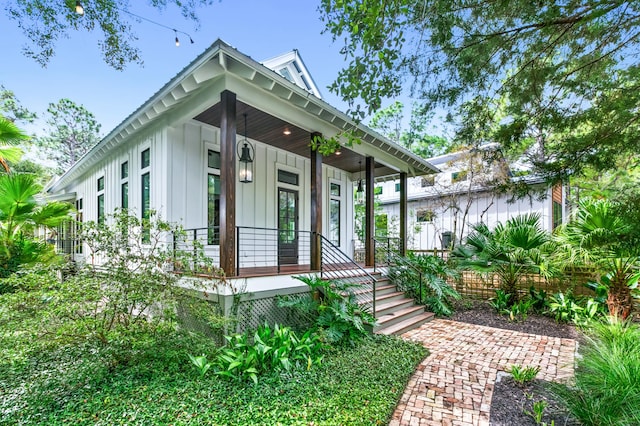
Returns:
point(332, 309)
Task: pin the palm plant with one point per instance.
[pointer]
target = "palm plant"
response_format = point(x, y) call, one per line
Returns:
point(21, 211)
point(10, 135)
point(517, 247)
point(597, 238)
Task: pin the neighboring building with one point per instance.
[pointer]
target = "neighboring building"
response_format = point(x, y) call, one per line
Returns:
point(181, 154)
point(442, 207)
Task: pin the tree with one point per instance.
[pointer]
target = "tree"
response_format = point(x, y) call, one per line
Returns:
point(388, 121)
point(560, 78)
point(12, 109)
point(597, 237)
point(72, 132)
point(10, 136)
point(45, 21)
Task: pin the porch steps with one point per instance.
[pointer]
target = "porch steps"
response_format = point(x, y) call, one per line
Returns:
point(395, 312)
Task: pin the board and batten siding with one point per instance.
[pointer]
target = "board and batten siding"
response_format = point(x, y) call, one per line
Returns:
point(485, 207)
point(256, 202)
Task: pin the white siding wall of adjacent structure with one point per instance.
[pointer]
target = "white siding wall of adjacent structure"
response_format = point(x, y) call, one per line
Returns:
point(485, 207)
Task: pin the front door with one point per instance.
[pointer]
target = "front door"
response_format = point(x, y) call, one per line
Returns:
point(287, 226)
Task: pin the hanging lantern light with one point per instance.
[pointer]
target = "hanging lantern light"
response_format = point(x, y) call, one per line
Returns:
point(246, 155)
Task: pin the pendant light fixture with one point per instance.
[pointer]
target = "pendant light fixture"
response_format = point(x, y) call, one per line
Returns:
point(246, 154)
point(360, 187)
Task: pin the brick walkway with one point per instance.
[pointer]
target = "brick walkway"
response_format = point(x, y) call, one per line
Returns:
point(454, 384)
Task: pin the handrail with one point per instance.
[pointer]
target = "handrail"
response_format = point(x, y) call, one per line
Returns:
point(394, 258)
point(337, 265)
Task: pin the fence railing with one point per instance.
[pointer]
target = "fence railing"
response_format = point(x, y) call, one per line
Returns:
point(336, 265)
point(272, 250)
point(388, 260)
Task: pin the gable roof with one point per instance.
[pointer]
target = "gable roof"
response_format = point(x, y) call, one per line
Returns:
point(221, 60)
point(291, 66)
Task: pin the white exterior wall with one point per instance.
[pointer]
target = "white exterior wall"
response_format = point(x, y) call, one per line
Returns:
point(485, 207)
point(179, 182)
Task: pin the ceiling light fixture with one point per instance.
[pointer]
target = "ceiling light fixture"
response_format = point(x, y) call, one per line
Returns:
point(286, 132)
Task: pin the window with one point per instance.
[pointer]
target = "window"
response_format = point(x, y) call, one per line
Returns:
point(397, 187)
point(288, 177)
point(285, 73)
point(556, 212)
point(213, 159)
point(100, 214)
point(425, 215)
point(78, 226)
point(428, 181)
point(124, 185)
point(124, 195)
point(459, 176)
point(377, 190)
point(145, 159)
point(145, 184)
point(213, 197)
point(334, 213)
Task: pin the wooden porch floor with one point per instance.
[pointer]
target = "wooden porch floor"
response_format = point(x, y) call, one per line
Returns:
point(265, 271)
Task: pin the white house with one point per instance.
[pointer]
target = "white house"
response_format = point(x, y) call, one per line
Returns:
point(182, 153)
point(442, 207)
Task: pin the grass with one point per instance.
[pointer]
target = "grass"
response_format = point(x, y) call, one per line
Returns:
point(607, 379)
point(153, 382)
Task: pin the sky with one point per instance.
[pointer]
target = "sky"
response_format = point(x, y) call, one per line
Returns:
point(258, 28)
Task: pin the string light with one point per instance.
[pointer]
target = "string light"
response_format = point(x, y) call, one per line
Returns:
point(80, 11)
point(79, 8)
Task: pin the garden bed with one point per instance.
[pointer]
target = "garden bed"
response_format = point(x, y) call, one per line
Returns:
point(510, 402)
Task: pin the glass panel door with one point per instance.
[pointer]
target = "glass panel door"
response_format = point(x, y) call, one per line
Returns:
point(287, 226)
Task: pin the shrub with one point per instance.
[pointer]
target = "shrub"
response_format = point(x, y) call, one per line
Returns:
point(333, 308)
point(272, 349)
point(500, 302)
point(433, 272)
point(606, 390)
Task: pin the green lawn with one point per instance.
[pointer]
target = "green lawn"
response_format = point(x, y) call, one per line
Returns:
point(154, 383)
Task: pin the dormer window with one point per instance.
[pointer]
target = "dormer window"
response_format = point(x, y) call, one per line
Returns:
point(286, 74)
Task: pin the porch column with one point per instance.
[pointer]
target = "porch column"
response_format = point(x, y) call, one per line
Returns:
point(228, 182)
point(369, 217)
point(316, 207)
point(403, 213)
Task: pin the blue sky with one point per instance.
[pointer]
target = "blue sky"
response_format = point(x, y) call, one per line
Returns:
point(258, 28)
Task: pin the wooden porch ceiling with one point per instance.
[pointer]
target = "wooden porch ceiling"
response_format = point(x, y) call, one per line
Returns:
point(268, 129)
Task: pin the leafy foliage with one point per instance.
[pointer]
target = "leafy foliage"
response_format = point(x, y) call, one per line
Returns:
point(517, 247)
point(415, 138)
point(10, 136)
point(21, 212)
point(271, 349)
point(606, 390)
point(523, 375)
point(45, 22)
point(596, 237)
point(333, 308)
point(434, 272)
point(553, 79)
point(125, 286)
point(73, 130)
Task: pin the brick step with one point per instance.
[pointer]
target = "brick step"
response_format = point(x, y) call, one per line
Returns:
point(398, 316)
point(406, 325)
